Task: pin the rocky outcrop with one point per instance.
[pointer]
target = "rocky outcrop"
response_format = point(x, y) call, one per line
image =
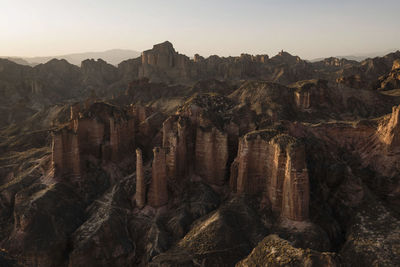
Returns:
point(296, 185)
point(310, 93)
point(220, 238)
point(158, 192)
point(199, 139)
point(176, 136)
point(211, 155)
point(66, 154)
point(122, 138)
point(390, 81)
point(396, 64)
point(98, 74)
point(162, 63)
point(389, 129)
point(302, 99)
point(273, 164)
point(274, 251)
point(101, 131)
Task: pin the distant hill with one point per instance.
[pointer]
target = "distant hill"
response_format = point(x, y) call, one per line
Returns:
point(361, 56)
point(114, 57)
point(18, 60)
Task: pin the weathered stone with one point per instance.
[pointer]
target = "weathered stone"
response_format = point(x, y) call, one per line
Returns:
point(274, 165)
point(66, 154)
point(211, 155)
point(158, 193)
point(140, 181)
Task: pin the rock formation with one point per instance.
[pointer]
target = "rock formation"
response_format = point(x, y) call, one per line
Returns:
point(101, 131)
point(162, 63)
point(274, 165)
point(176, 135)
point(158, 192)
point(140, 181)
point(391, 80)
point(66, 153)
point(310, 156)
point(264, 254)
point(211, 156)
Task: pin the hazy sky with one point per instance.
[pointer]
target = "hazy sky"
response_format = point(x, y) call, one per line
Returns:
point(309, 29)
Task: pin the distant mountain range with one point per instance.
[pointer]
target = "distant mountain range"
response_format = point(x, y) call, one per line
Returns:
point(114, 57)
point(361, 56)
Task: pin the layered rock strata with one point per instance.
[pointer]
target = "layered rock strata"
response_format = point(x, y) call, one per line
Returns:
point(273, 164)
point(176, 137)
point(211, 155)
point(101, 132)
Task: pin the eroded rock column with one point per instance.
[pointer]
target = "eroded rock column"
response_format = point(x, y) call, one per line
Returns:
point(158, 193)
point(296, 188)
point(140, 181)
point(211, 155)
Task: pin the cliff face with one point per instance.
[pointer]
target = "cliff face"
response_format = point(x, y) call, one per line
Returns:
point(99, 132)
point(296, 187)
point(158, 193)
point(162, 63)
point(273, 165)
point(211, 155)
point(66, 154)
point(176, 137)
point(198, 140)
point(122, 138)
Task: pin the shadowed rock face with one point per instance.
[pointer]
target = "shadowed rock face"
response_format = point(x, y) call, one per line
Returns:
point(100, 132)
point(216, 172)
point(158, 194)
point(140, 180)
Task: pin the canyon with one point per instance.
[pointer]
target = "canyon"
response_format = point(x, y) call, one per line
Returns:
point(167, 160)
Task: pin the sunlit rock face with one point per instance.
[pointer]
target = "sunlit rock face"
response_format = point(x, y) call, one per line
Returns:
point(273, 164)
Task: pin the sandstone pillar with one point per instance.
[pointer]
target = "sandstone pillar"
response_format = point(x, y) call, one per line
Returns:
point(296, 188)
point(158, 193)
point(140, 182)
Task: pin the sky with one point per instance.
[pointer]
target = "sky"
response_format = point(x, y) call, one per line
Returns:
point(307, 28)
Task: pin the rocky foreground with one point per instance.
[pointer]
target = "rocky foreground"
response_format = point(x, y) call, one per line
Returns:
point(171, 161)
